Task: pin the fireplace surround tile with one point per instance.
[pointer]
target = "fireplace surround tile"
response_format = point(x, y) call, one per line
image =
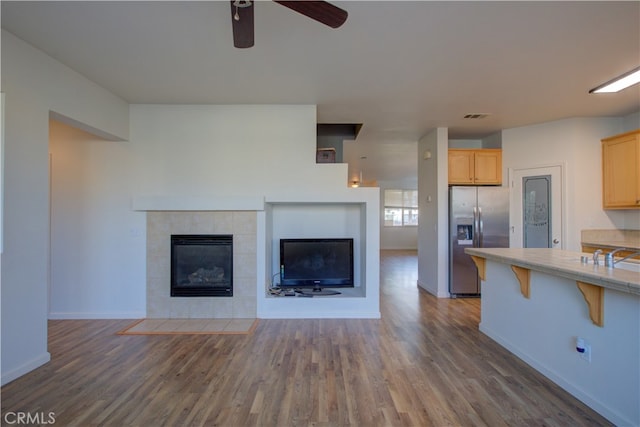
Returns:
point(245, 243)
point(244, 304)
point(244, 222)
point(162, 224)
point(198, 308)
point(243, 286)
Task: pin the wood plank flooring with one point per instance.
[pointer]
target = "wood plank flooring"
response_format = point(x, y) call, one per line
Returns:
point(190, 326)
point(423, 364)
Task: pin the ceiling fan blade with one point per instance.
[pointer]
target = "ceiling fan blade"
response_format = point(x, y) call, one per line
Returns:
point(321, 11)
point(243, 26)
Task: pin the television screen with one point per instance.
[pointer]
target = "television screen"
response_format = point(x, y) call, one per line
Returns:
point(316, 263)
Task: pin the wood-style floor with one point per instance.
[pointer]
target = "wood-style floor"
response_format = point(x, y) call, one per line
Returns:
point(424, 363)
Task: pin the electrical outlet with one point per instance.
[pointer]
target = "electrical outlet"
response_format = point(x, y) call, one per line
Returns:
point(583, 348)
point(586, 355)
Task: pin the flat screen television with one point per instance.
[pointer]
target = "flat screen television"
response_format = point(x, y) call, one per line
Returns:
point(310, 265)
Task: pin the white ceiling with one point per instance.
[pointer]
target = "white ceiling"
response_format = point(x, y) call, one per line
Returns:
point(399, 68)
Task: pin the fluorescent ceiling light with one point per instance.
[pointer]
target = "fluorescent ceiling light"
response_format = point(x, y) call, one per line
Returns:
point(624, 81)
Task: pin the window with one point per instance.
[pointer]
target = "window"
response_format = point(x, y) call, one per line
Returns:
point(400, 208)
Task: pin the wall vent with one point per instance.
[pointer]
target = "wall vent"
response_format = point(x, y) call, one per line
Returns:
point(476, 115)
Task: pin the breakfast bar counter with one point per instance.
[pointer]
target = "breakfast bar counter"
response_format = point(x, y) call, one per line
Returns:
point(565, 264)
point(575, 322)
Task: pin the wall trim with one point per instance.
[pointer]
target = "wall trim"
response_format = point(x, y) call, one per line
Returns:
point(61, 315)
point(320, 314)
point(423, 286)
point(25, 368)
point(576, 392)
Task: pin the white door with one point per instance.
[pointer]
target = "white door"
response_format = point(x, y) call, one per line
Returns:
point(537, 206)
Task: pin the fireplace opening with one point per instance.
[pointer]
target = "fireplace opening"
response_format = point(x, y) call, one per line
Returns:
point(201, 265)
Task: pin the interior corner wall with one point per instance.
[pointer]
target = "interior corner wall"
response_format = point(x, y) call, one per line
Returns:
point(97, 241)
point(493, 140)
point(34, 85)
point(631, 122)
point(433, 223)
point(465, 143)
point(576, 144)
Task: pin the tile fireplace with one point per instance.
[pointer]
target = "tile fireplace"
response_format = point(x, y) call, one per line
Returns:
point(206, 270)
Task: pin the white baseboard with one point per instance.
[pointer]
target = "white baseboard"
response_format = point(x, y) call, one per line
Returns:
point(25, 368)
point(320, 315)
point(436, 293)
point(576, 392)
point(96, 316)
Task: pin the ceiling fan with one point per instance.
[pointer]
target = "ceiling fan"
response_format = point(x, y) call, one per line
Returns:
point(242, 13)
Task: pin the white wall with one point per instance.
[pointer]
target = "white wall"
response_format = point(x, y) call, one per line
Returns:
point(576, 144)
point(465, 143)
point(433, 205)
point(228, 151)
point(396, 237)
point(96, 240)
point(631, 122)
point(542, 331)
point(35, 85)
point(493, 141)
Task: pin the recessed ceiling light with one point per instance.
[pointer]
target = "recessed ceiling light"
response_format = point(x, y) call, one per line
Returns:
point(622, 82)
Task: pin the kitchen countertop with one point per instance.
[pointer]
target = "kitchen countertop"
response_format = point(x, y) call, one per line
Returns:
point(611, 239)
point(612, 244)
point(564, 264)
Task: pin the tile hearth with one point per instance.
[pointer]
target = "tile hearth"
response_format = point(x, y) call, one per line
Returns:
point(190, 326)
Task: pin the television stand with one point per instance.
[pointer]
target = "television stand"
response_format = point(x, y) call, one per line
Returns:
point(319, 292)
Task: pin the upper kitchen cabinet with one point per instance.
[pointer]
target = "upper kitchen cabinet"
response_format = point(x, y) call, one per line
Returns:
point(475, 167)
point(621, 171)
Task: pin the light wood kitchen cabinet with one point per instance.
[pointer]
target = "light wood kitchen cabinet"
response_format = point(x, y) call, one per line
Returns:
point(475, 167)
point(621, 171)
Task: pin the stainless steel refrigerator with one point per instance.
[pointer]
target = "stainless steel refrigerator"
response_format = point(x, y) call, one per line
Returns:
point(478, 217)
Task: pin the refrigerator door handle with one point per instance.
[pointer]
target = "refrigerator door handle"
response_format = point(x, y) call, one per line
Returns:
point(476, 240)
point(480, 228)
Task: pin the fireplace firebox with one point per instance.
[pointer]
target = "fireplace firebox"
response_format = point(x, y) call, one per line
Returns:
point(201, 265)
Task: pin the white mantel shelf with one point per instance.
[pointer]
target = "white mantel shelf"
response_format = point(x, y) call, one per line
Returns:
point(198, 203)
point(150, 203)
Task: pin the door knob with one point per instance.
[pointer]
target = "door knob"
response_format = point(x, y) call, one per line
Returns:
point(556, 241)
